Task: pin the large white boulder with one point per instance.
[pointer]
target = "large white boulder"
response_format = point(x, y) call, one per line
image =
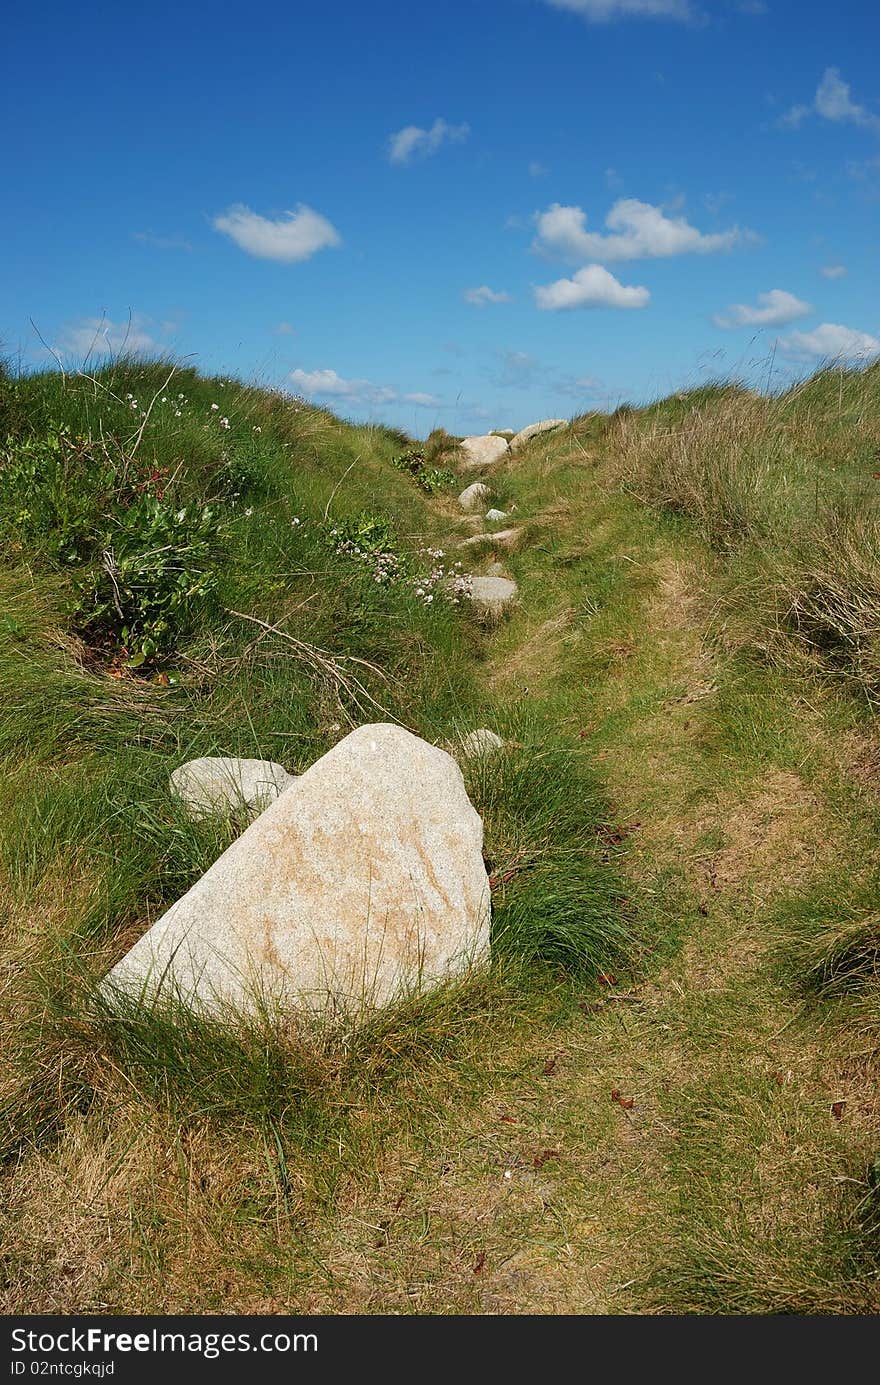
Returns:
point(492, 597)
point(526, 434)
point(482, 451)
point(364, 885)
point(474, 496)
point(227, 784)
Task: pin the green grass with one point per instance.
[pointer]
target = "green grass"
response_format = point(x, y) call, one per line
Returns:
point(289, 644)
point(684, 906)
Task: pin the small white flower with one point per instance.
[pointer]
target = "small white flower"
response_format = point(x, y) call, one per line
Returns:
point(248, 513)
point(508, 1173)
point(177, 413)
point(164, 399)
point(257, 428)
point(215, 406)
point(224, 423)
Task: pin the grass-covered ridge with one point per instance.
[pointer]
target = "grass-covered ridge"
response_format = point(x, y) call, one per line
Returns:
point(662, 1096)
point(191, 567)
point(787, 488)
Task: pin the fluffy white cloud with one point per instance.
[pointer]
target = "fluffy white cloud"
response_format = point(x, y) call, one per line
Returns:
point(292, 237)
point(412, 142)
point(830, 341)
point(640, 231)
point(590, 287)
point(601, 11)
point(326, 384)
point(773, 309)
point(98, 336)
point(834, 271)
point(483, 295)
point(833, 101)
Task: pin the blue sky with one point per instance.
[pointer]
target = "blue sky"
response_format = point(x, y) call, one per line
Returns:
point(474, 213)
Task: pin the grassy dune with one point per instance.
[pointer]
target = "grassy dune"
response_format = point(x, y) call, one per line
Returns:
point(661, 1097)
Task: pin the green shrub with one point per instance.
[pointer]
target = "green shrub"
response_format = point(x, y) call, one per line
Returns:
point(154, 574)
point(54, 493)
point(428, 478)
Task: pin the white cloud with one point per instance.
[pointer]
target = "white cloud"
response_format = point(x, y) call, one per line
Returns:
point(412, 142)
point(795, 117)
point(641, 231)
point(327, 384)
point(602, 11)
point(773, 309)
point(580, 387)
point(833, 102)
point(284, 329)
point(292, 237)
point(830, 341)
point(537, 170)
point(324, 382)
point(98, 336)
point(483, 295)
point(833, 271)
point(590, 287)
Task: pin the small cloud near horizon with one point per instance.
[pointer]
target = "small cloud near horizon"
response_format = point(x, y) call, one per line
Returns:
point(834, 271)
point(773, 309)
point(326, 383)
point(99, 336)
point(830, 341)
